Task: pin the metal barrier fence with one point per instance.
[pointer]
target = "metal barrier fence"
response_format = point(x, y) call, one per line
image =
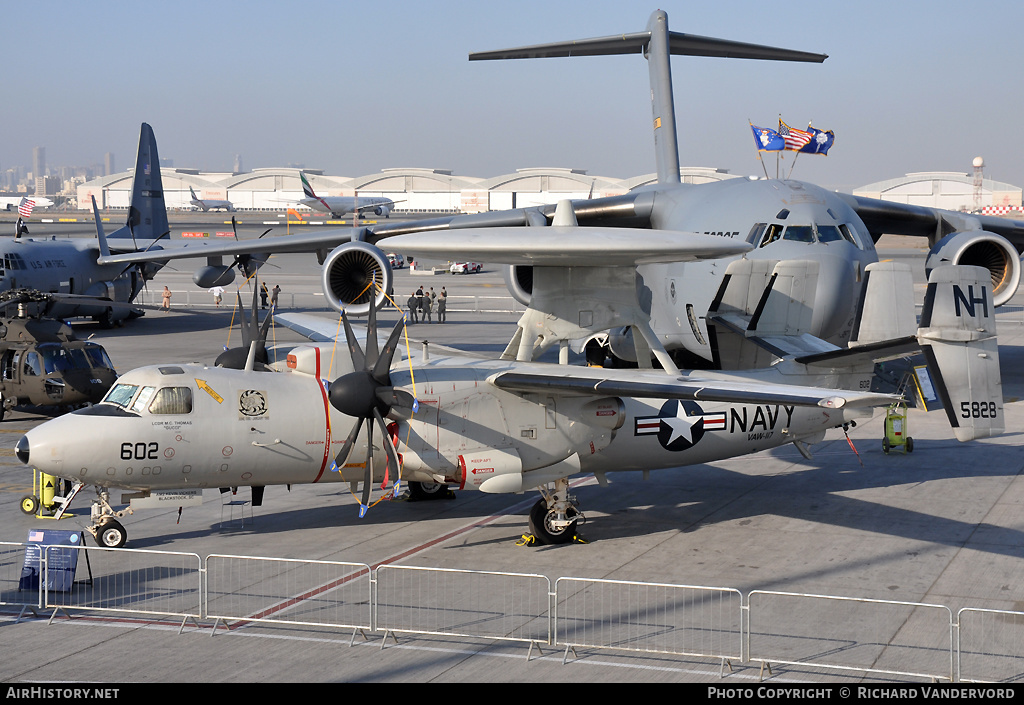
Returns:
point(819, 631)
point(874, 636)
point(288, 591)
point(314, 301)
point(990, 645)
point(478, 604)
point(137, 581)
point(649, 617)
point(12, 570)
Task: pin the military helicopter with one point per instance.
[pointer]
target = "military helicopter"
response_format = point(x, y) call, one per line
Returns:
point(42, 362)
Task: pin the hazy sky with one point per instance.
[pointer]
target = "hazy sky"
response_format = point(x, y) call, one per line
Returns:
point(356, 87)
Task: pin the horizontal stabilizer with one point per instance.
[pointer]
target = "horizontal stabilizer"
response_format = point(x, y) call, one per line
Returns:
point(958, 338)
point(680, 44)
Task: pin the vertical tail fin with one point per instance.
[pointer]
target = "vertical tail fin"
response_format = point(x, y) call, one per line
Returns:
point(147, 214)
point(958, 338)
point(306, 188)
point(657, 43)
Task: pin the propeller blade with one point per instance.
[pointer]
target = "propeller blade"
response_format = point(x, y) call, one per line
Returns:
point(372, 344)
point(382, 370)
point(342, 457)
point(243, 324)
point(364, 503)
point(358, 359)
point(389, 448)
point(234, 227)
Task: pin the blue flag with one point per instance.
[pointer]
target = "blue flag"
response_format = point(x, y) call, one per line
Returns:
point(820, 142)
point(767, 140)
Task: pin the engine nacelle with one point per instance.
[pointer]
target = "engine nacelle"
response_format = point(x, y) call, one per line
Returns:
point(382, 211)
point(519, 280)
point(213, 275)
point(981, 249)
point(620, 343)
point(354, 274)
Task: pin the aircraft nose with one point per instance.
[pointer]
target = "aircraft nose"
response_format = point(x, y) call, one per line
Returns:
point(21, 450)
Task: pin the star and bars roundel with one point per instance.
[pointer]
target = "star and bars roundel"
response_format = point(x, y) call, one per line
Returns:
point(679, 425)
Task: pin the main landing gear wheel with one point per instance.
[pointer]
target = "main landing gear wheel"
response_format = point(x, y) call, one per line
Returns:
point(543, 528)
point(29, 504)
point(428, 490)
point(111, 534)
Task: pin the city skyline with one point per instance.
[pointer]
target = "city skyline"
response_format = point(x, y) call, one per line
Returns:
point(908, 87)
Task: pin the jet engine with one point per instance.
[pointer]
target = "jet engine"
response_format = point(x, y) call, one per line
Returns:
point(519, 280)
point(354, 274)
point(382, 211)
point(982, 249)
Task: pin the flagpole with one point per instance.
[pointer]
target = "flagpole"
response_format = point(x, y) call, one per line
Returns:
point(763, 167)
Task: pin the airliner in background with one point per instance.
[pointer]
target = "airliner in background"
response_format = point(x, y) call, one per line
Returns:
point(340, 205)
point(209, 204)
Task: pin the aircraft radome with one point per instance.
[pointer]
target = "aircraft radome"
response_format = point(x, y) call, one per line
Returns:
point(443, 418)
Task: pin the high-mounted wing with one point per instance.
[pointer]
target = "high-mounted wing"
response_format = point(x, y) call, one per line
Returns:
point(326, 239)
point(569, 246)
point(606, 382)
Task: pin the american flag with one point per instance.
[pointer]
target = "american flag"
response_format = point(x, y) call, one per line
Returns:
point(795, 139)
point(25, 207)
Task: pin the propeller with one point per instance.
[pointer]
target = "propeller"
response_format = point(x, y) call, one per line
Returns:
point(367, 395)
point(248, 263)
point(252, 331)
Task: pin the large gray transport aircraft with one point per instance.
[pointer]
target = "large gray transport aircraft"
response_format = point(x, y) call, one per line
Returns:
point(787, 222)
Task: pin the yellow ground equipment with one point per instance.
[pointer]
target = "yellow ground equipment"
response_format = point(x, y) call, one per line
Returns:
point(50, 496)
point(896, 428)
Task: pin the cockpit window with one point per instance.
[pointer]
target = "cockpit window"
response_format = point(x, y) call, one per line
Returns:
point(60, 359)
point(773, 233)
point(142, 400)
point(121, 394)
point(755, 232)
point(847, 235)
point(172, 400)
point(829, 233)
point(799, 233)
point(97, 356)
point(32, 366)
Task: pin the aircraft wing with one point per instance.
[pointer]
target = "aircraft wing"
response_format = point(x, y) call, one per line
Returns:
point(565, 246)
point(325, 239)
point(904, 219)
point(628, 210)
point(605, 382)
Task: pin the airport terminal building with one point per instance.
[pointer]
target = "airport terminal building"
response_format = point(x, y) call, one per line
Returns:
point(413, 190)
point(439, 191)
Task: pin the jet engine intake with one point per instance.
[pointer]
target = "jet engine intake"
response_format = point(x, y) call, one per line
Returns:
point(519, 280)
point(382, 211)
point(982, 249)
point(354, 274)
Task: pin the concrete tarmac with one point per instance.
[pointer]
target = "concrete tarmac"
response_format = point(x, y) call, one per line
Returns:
point(941, 525)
